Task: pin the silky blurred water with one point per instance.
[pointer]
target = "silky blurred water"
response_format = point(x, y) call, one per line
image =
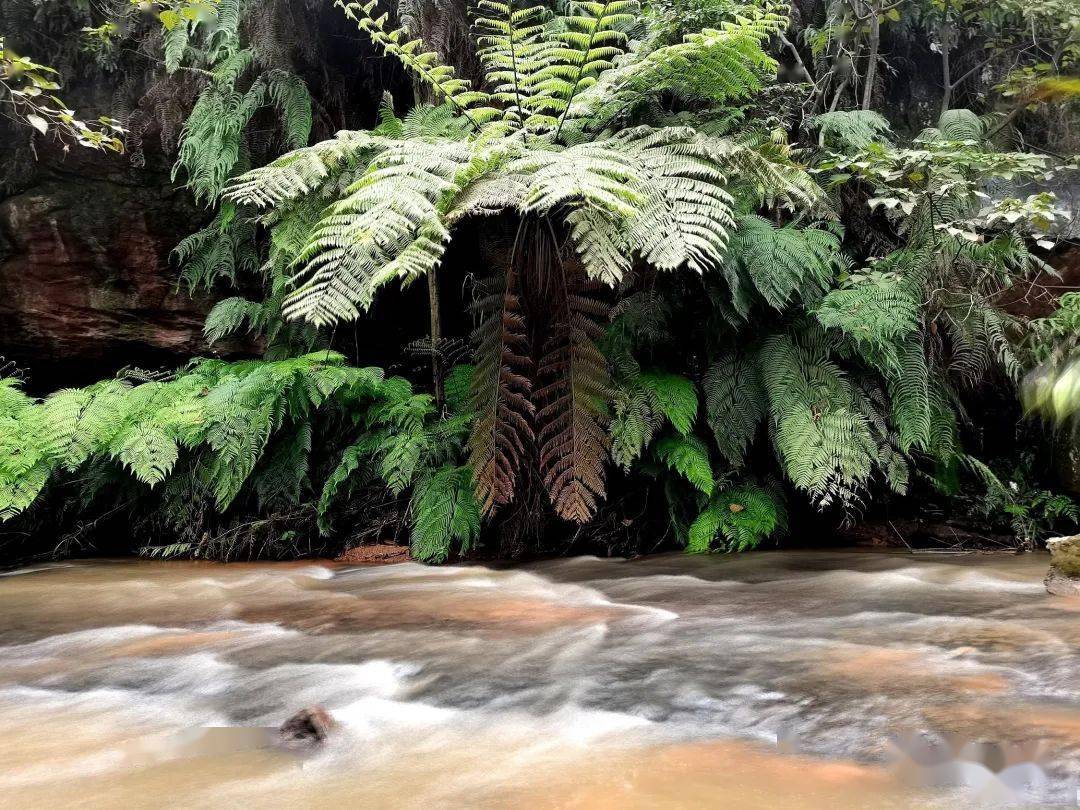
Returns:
point(770, 679)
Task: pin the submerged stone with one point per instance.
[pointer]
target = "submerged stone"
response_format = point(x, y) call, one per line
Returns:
point(310, 725)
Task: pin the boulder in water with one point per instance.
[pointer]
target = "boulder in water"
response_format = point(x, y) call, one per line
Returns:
point(310, 725)
point(1064, 576)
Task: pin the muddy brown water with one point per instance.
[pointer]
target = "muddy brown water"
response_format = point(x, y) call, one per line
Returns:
point(776, 679)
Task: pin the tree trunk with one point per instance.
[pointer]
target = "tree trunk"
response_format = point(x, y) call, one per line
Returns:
point(436, 336)
point(871, 67)
point(946, 71)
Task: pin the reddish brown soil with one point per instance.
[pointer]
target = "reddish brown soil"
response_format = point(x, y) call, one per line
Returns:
point(377, 554)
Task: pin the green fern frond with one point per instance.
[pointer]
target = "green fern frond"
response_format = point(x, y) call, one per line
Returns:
point(742, 516)
point(689, 457)
point(426, 65)
point(783, 262)
point(444, 512)
point(735, 403)
point(850, 129)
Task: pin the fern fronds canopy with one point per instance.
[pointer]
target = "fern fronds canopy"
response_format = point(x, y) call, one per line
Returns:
point(658, 194)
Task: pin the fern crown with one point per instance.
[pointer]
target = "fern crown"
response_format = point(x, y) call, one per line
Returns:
point(540, 136)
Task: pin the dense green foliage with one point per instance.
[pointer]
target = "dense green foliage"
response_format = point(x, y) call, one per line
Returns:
point(673, 293)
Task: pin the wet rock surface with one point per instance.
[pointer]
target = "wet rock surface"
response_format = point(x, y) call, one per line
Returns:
point(310, 725)
point(1060, 584)
point(1063, 579)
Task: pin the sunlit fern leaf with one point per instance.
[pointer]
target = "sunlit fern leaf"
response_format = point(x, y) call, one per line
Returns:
point(735, 403)
point(685, 218)
point(957, 125)
point(714, 65)
point(591, 39)
point(641, 406)
point(389, 226)
point(63, 432)
point(149, 452)
point(389, 126)
point(741, 517)
point(513, 51)
point(689, 457)
point(304, 170)
point(674, 396)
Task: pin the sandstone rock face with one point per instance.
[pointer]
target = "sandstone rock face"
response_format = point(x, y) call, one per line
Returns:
point(1065, 554)
point(1063, 578)
point(85, 282)
point(1059, 584)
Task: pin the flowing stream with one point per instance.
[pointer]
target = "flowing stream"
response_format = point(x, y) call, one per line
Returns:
point(775, 679)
